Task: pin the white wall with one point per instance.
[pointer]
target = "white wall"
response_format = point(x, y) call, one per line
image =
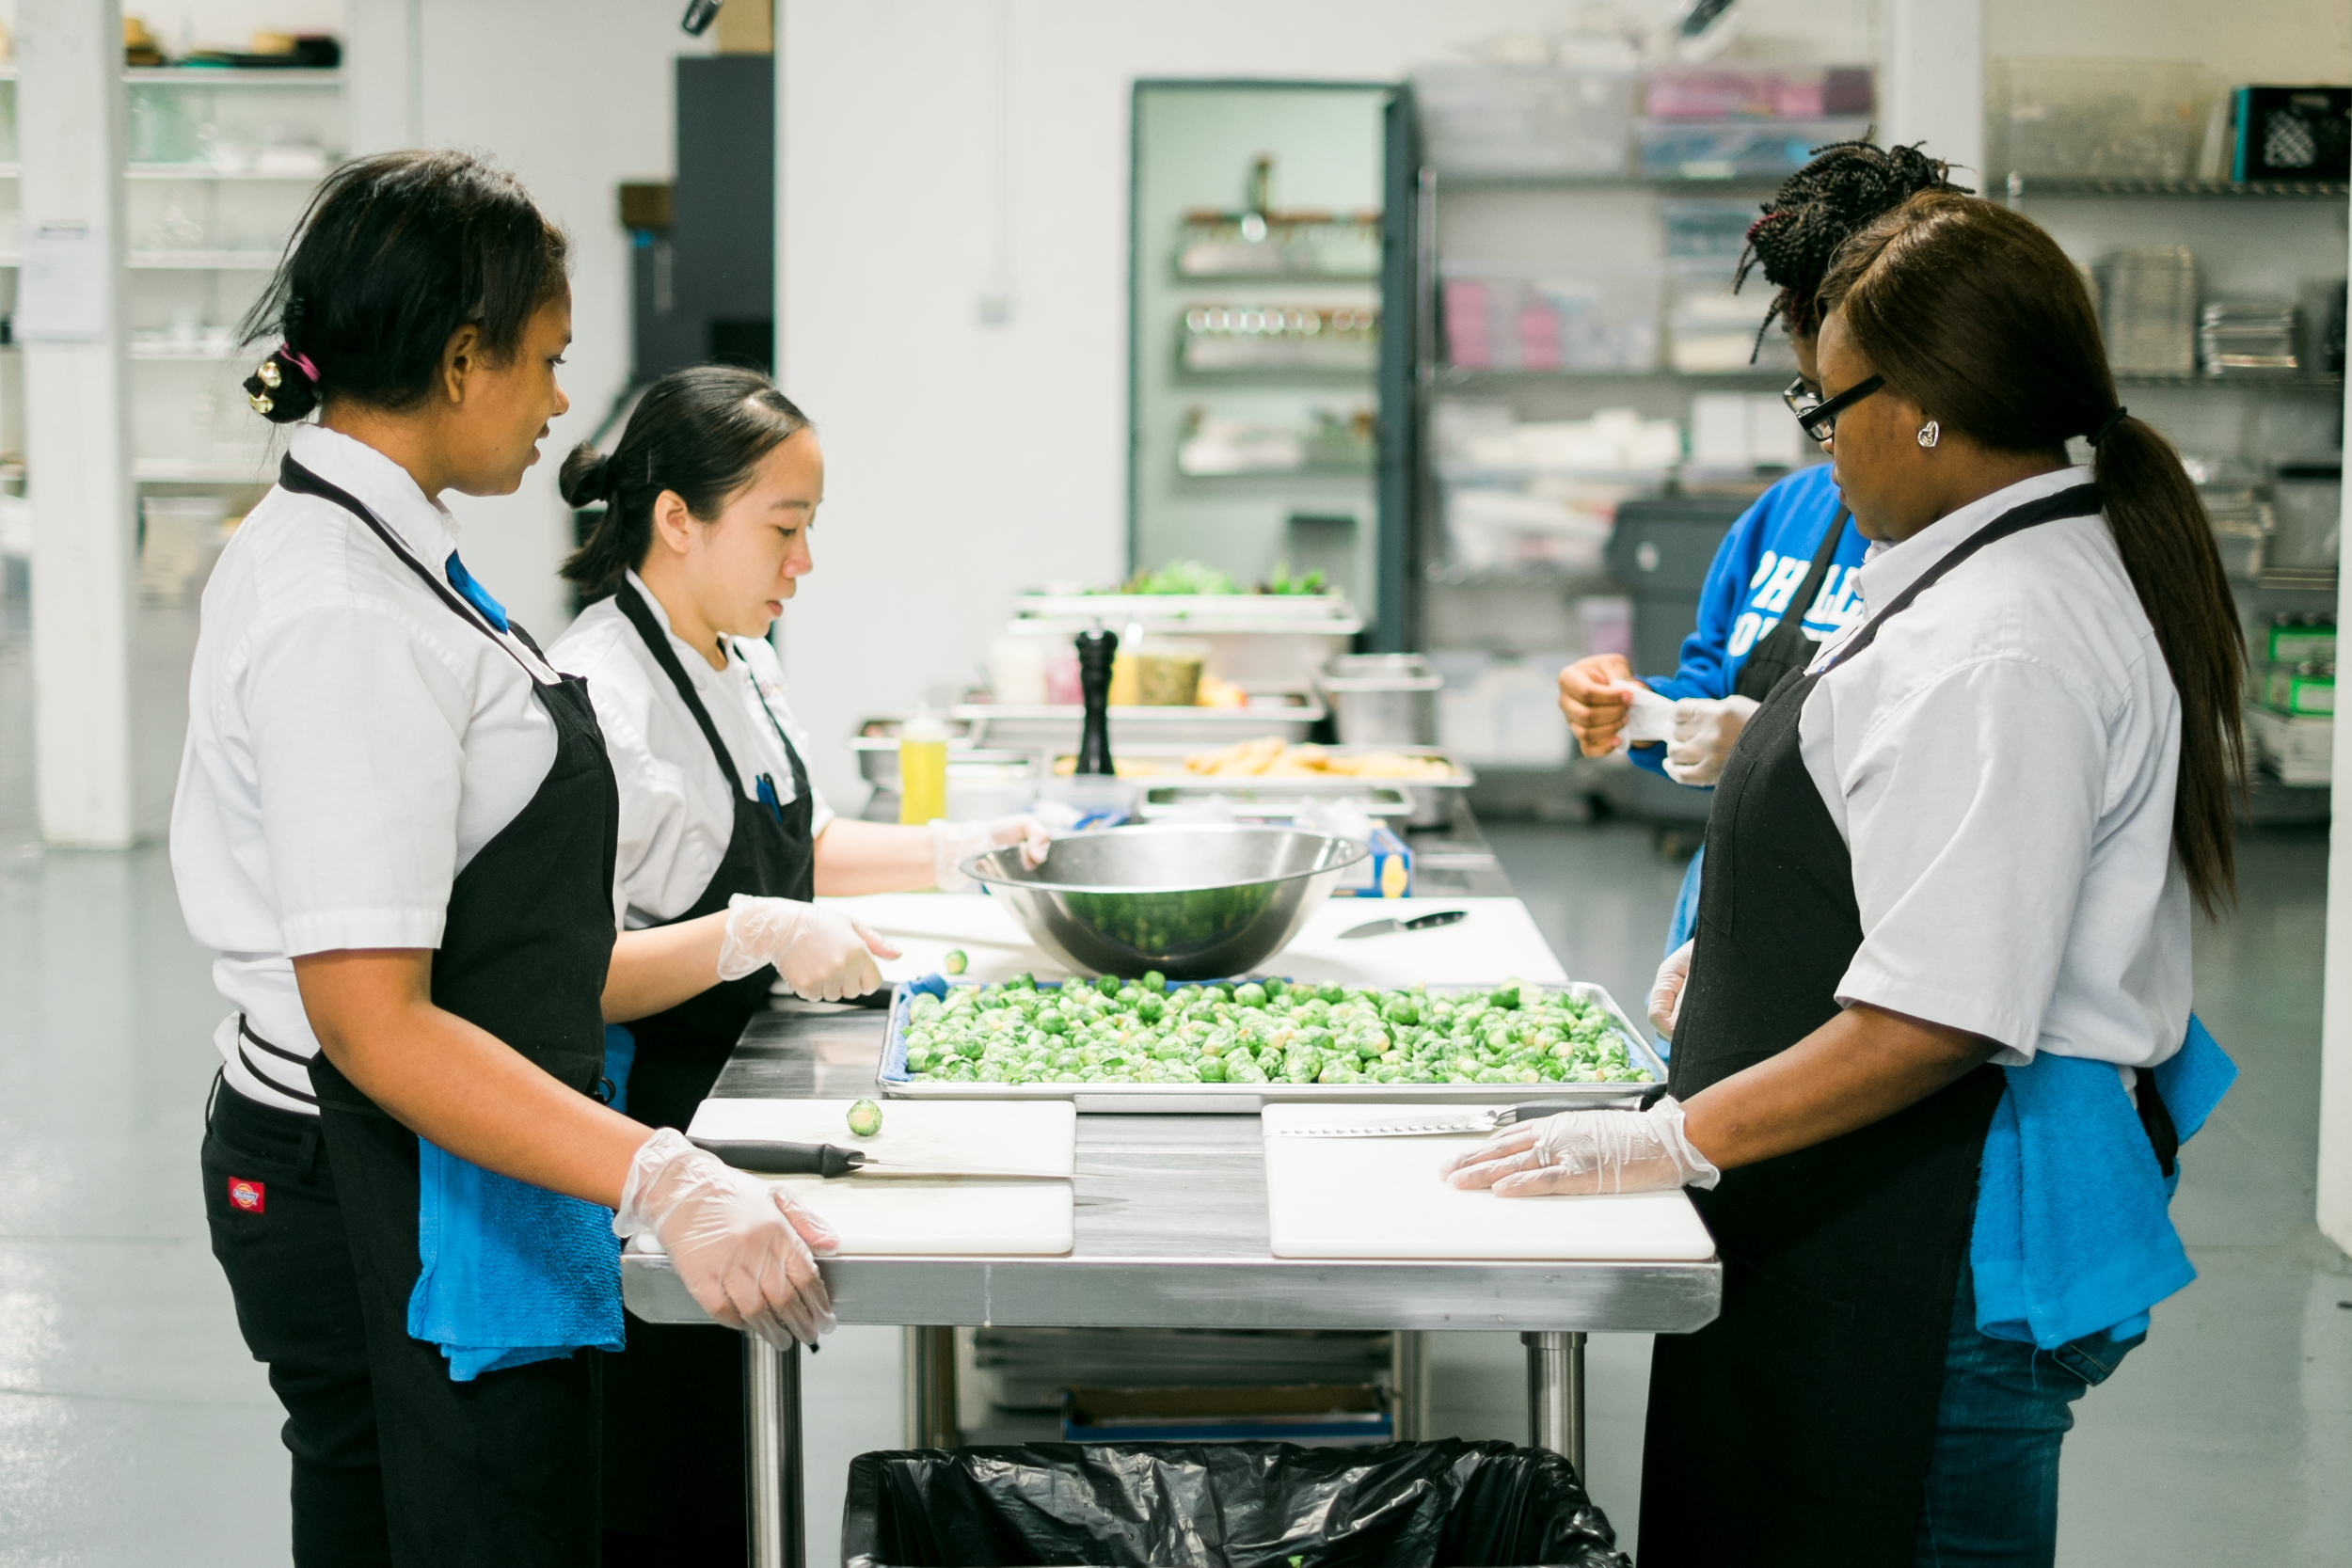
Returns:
point(965, 462)
point(574, 98)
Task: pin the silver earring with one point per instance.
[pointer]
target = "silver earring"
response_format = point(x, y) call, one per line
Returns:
point(1931, 432)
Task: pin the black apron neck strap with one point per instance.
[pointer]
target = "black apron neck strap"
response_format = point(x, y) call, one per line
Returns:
point(657, 642)
point(1809, 590)
point(294, 477)
point(2077, 500)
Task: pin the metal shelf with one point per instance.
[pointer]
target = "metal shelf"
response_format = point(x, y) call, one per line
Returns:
point(1466, 375)
point(199, 470)
point(2024, 187)
point(229, 76)
point(1738, 184)
point(2284, 382)
point(203, 261)
point(206, 171)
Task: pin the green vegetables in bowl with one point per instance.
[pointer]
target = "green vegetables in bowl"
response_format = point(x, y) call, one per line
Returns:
point(1112, 1031)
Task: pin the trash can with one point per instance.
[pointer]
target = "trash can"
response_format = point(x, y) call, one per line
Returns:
point(1444, 1504)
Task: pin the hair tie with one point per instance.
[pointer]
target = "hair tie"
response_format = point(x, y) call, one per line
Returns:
point(2106, 426)
point(300, 362)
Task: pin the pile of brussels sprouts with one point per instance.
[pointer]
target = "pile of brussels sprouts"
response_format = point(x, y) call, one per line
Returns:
point(1147, 1031)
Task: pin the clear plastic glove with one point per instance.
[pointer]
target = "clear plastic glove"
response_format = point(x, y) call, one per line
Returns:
point(953, 843)
point(744, 1249)
point(821, 954)
point(1706, 730)
point(1666, 992)
point(1584, 1152)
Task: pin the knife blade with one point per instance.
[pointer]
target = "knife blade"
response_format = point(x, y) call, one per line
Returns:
point(1484, 1119)
point(770, 1157)
point(1419, 923)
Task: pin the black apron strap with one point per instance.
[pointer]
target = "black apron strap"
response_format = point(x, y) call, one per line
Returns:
point(2079, 501)
point(1788, 646)
point(633, 606)
point(292, 476)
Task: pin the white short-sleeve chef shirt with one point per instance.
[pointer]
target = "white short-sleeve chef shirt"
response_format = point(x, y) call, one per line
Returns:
point(677, 811)
point(2002, 761)
point(353, 741)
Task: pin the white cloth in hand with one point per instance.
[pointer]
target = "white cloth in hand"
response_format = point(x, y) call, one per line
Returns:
point(1706, 730)
point(1585, 1152)
point(953, 843)
point(821, 954)
point(1649, 717)
point(1666, 992)
point(744, 1249)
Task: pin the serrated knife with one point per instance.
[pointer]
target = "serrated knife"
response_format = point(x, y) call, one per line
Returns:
point(769, 1157)
point(1483, 1119)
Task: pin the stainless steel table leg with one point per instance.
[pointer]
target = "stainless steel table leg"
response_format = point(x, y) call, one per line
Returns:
point(772, 1398)
point(1408, 1383)
point(1555, 1394)
point(930, 1388)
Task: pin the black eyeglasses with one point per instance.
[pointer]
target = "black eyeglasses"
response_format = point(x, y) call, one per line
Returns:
point(1819, 416)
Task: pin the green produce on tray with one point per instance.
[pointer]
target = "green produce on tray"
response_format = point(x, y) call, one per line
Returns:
point(1146, 1031)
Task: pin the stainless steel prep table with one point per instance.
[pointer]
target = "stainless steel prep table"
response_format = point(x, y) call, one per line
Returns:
point(1172, 1233)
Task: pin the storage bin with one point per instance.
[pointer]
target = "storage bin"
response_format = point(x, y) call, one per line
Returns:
point(1483, 119)
point(1383, 699)
point(2095, 119)
point(1737, 150)
point(1444, 1504)
point(1600, 316)
point(2307, 502)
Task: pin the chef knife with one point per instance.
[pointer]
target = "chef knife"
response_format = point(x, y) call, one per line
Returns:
point(1419, 923)
point(1483, 1119)
point(771, 1158)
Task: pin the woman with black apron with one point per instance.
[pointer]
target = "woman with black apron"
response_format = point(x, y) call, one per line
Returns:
point(395, 823)
point(1968, 836)
point(708, 498)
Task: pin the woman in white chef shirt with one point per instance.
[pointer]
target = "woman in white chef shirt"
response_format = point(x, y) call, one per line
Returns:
point(394, 822)
point(708, 500)
point(1960, 852)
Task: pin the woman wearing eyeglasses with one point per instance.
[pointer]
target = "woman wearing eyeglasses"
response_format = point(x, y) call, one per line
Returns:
point(1967, 836)
point(1782, 579)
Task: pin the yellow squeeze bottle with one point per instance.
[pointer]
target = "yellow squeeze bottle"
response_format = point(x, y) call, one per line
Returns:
point(922, 769)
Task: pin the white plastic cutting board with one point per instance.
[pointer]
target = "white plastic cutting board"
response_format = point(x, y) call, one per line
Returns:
point(903, 1216)
point(1381, 1198)
point(1498, 942)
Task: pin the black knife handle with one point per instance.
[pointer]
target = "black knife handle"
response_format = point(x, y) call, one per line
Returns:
point(1429, 921)
point(783, 1159)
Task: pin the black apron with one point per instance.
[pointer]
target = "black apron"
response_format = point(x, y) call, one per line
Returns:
point(502, 1470)
point(1796, 1428)
point(1788, 646)
point(673, 1403)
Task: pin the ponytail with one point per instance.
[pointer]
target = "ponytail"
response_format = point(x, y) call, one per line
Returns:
point(2167, 547)
point(697, 434)
point(1975, 314)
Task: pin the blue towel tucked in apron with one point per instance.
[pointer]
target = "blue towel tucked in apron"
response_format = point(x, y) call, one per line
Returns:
point(515, 1273)
point(2072, 1231)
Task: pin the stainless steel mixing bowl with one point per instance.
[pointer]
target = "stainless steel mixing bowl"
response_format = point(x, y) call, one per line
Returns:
point(1194, 901)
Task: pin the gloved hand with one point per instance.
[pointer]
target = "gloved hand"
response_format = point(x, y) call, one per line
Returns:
point(743, 1246)
point(821, 954)
point(953, 843)
point(1590, 702)
point(1666, 992)
point(1584, 1153)
point(1705, 729)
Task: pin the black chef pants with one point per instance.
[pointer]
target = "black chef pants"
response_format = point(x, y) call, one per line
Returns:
point(418, 1470)
point(298, 1305)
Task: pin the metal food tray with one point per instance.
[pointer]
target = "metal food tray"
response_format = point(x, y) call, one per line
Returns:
point(1010, 727)
point(1250, 803)
point(1247, 1098)
point(1320, 783)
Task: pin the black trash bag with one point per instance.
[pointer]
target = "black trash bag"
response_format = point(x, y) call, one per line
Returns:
point(1447, 1504)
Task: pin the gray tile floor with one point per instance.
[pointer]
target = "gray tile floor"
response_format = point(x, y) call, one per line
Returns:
point(134, 1430)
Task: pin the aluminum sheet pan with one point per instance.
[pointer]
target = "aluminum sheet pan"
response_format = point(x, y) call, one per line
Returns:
point(1247, 1098)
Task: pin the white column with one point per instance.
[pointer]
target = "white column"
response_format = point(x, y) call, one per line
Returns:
point(2335, 1018)
point(383, 73)
point(1931, 83)
point(70, 111)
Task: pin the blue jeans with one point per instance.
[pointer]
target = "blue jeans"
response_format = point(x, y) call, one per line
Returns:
point(1992, 1493)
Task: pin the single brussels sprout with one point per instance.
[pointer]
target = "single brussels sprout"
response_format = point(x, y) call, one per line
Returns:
point(955, 963)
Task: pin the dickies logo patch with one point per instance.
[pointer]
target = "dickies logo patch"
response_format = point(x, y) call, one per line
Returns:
point(251, 1197)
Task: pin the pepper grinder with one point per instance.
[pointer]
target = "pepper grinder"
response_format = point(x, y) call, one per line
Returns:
point(1096, 650)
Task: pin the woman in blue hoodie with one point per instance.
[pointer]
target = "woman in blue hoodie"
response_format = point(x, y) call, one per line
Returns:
point(1795, 547)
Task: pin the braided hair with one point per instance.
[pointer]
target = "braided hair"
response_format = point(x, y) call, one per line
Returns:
point(1817, 209)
